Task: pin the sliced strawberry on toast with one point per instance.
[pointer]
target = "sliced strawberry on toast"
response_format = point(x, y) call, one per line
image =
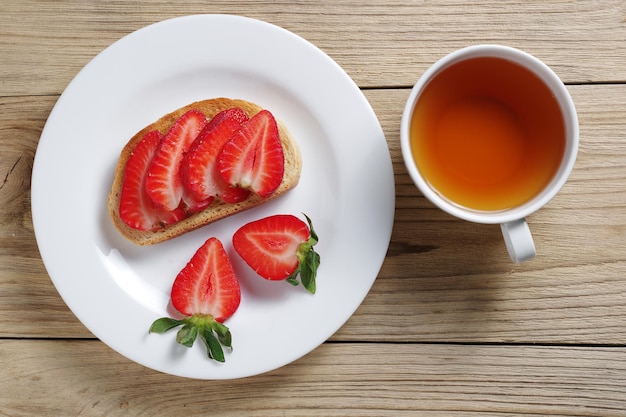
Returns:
point(253, 158)
point(232, 195)
point(206, 292)
point(199, 166)
point(136, 207)
point(163, 182)
point(192, 205)
point(280, 247)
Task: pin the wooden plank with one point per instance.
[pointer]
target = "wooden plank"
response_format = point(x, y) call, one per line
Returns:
point(447, 280)
point(29, 303)
point(86, 378)
point(376, 44)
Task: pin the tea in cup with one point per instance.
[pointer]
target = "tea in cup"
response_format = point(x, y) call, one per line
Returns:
point(489, 134)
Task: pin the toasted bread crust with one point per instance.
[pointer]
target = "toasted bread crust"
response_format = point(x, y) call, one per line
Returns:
point(216, 210)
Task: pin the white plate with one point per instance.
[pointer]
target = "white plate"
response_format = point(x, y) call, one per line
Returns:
point(118, 289)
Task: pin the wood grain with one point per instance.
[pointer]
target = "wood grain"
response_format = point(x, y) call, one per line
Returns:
point(85, 378)
point(376, 44)
point(29, 304)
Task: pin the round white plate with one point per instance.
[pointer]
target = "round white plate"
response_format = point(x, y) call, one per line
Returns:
point(118, 289)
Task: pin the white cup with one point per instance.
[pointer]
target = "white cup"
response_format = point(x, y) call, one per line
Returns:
point(515, 230)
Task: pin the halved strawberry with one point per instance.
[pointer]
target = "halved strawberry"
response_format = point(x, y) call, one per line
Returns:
point(163, 183)
point(253, 158)
point(280, 247)
point(207, 284)
point(199, 166)
point(136, 207)
point(207, 292)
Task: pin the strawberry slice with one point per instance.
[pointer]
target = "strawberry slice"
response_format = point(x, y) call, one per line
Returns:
point(253, 158)
point(163, 183)
point(206, 291)
point(233, 195)
point(280, 247)
point(199, 166)
point(136, 207)
point(192, 205)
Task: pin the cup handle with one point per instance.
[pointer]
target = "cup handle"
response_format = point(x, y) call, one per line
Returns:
point(518, 240)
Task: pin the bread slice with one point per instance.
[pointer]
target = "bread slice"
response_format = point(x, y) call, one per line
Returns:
point(217, 209)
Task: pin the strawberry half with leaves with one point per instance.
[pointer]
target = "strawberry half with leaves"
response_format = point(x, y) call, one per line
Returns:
point(136, 207)
point(199, 166)
point(206, 292)
point(253, 158)
point(163, 183)
point(280, 247)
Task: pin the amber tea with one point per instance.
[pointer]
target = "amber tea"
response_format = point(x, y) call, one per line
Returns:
point(487, 134)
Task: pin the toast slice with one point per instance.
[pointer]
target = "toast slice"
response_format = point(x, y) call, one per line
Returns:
point(217, 209)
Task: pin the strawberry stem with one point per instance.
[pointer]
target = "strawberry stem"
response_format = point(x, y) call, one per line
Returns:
point(213, 333)
point(308, 262)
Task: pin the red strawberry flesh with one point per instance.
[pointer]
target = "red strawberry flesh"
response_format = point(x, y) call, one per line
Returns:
point(253, 158)
point(207, 284)
point(136, 207)
point(199, 167)
point(270, 245)
point(163, 182)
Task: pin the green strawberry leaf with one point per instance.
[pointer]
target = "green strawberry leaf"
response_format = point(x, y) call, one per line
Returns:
point(213, 333)
point(313, 234)
point(223, 334)
point(308, 271)
point(309, 261)
point(164, 324)
point(293, 278)
point(213, 346)
point(187, 335)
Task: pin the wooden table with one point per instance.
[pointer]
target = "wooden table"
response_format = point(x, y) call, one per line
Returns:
point(451, 326)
